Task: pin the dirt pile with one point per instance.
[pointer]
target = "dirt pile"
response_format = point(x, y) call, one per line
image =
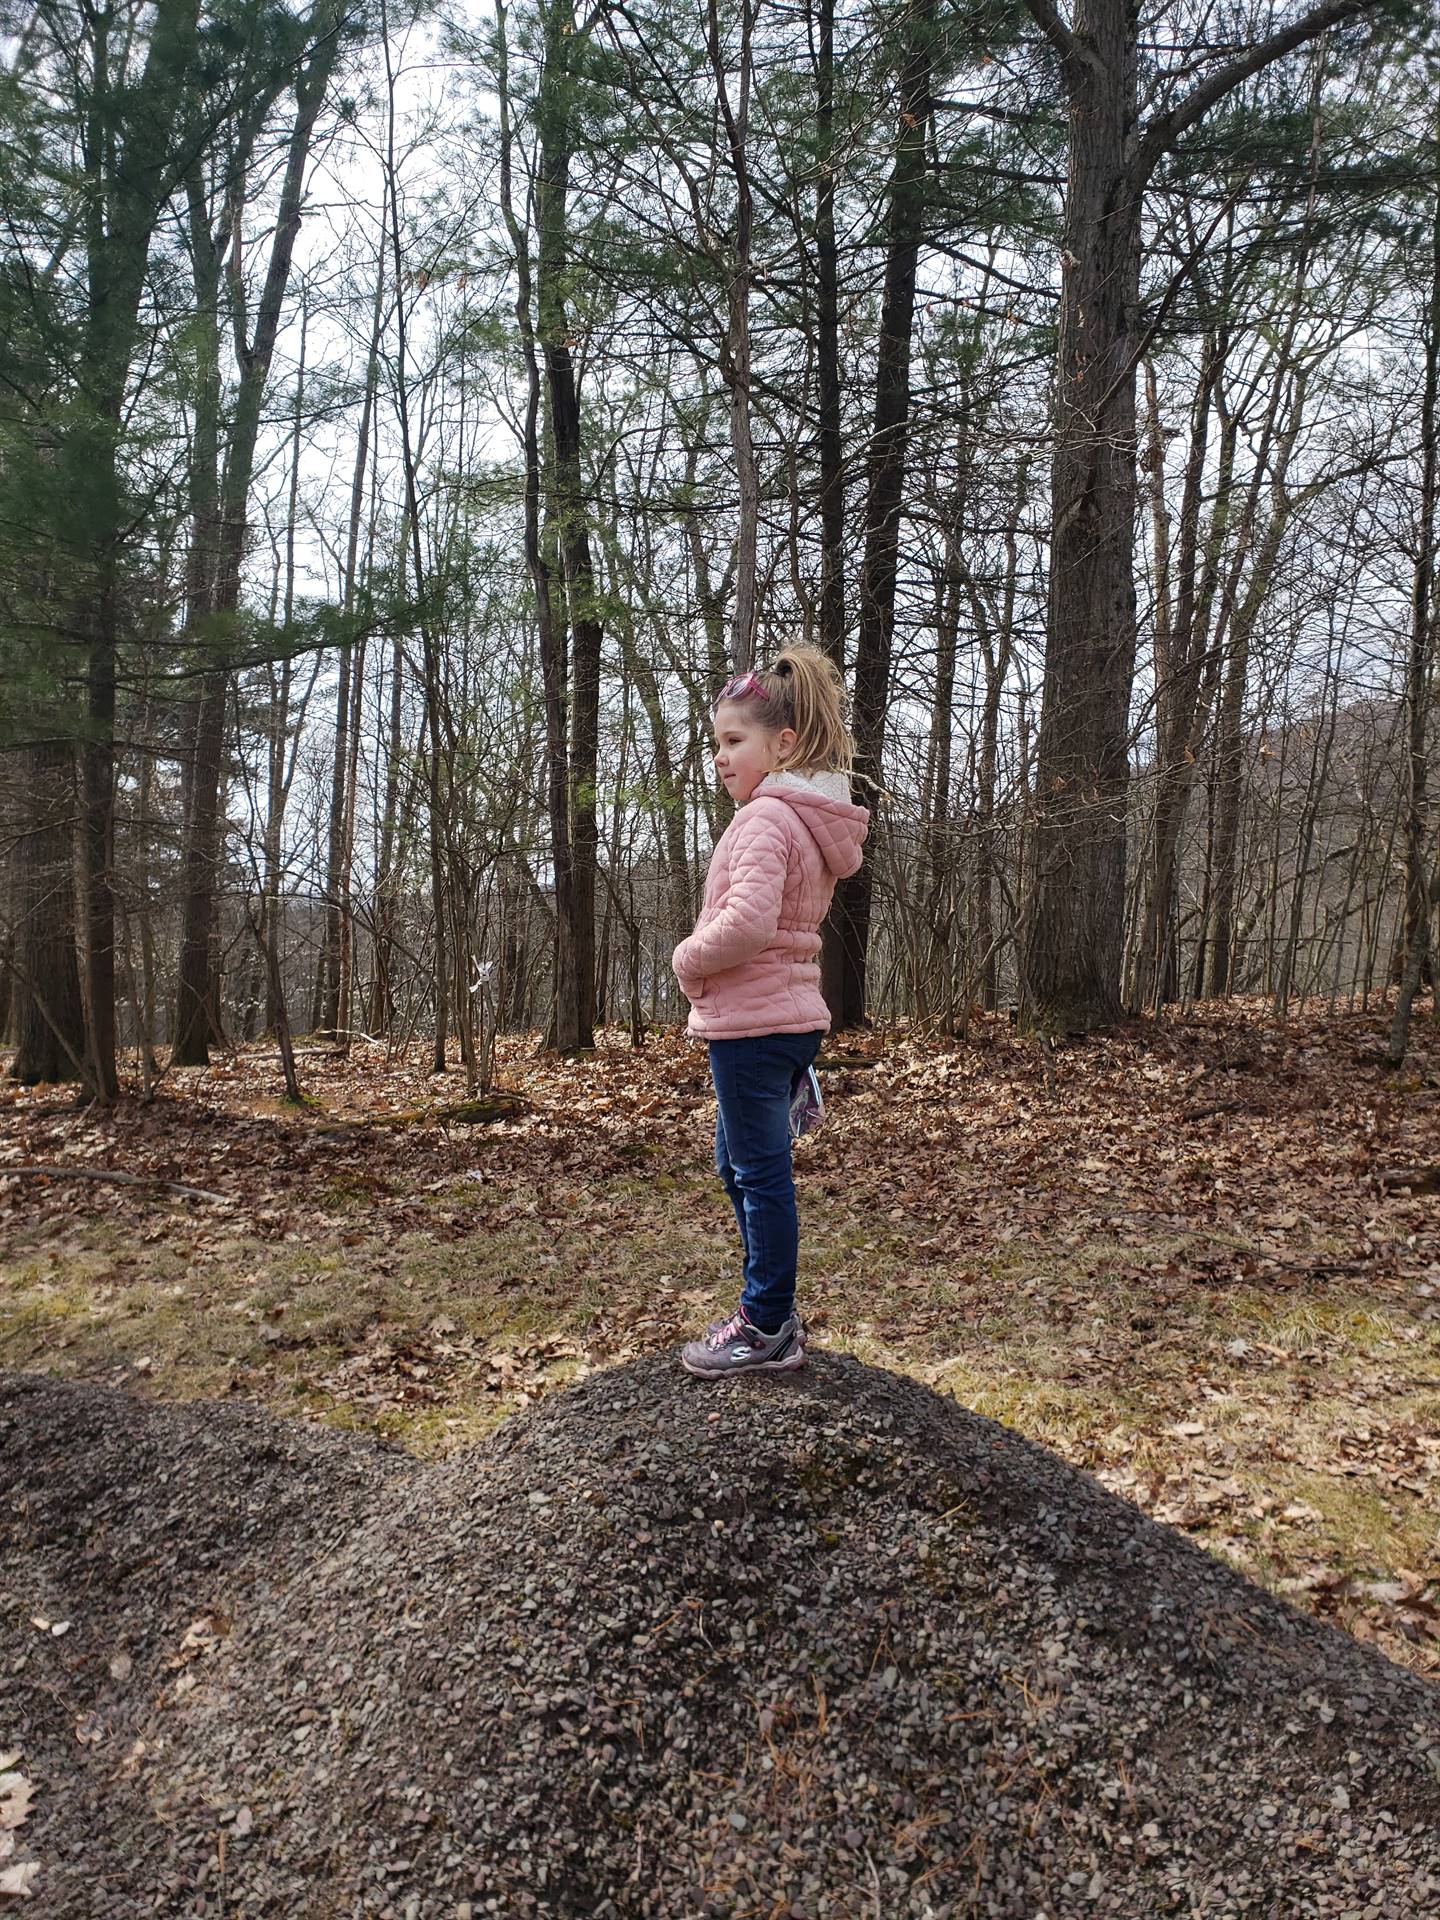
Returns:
point(824, 1645)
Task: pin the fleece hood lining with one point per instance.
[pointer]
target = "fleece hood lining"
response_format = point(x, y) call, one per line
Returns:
point(828, 784)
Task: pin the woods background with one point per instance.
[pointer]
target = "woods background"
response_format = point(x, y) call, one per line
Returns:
point(409, 416)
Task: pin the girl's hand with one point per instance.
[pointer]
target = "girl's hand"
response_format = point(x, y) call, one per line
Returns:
point(692, 984)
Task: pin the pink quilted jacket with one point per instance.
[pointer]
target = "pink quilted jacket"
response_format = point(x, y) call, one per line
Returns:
point(749, 967)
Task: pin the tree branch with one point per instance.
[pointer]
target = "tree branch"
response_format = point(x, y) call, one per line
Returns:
point(1073, 53)
point(115, 1177)
point(1163, 132)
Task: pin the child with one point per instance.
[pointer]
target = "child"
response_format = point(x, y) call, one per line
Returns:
point(749, 970)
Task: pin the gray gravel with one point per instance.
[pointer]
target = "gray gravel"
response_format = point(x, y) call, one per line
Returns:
point(814, 1646)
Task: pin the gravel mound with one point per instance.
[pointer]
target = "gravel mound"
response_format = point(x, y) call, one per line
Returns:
point(813, 1646)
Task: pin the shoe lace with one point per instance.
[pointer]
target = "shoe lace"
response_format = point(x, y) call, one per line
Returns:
point(726, 1330)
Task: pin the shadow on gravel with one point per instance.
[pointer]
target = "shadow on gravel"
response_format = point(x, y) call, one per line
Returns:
point(822, 1645)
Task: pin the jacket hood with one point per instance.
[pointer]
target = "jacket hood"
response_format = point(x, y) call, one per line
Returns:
point(822, 800)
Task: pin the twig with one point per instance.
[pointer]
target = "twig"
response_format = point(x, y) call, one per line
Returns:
point(1216, 1106)
point(119, 1179)
point(1046, 1049)
point(462, 1113)
point(331, 1043)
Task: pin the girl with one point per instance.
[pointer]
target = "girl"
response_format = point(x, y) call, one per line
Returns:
point(749, 970)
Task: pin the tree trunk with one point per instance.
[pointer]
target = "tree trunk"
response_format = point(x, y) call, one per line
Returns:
point(326, 1009)
point(1420, 893)
point(1420, 655)
point(1076, 912)
point(337, 879)
point(129, 148)
point(575, 979)
point(345, 984)
point(675, 906)
point(275, 796)
point(935, 789)
point(554, 666)
point(1186, 672)
point(735, 347)
point(885, 478)
point(386, 868)
point(429, 645)
point(194, 1024)
point(1238, 622)
point(1075, 916)
point(197, 1019)
point(997, 652)
point(827, 351)
point(50, 1019)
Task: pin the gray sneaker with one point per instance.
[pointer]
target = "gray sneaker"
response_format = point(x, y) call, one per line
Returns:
point(725, 1319)
point(734, 1346)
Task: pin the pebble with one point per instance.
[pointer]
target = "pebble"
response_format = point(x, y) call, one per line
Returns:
point(539, 1674)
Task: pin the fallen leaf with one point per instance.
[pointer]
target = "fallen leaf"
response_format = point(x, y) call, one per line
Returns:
point(19, 1881)
point(203, 1634)
point(16, 1794)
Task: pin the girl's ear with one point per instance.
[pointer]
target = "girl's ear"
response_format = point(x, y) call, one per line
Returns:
point(785, 741)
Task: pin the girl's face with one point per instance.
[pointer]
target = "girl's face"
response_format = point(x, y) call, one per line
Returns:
point(745, 751)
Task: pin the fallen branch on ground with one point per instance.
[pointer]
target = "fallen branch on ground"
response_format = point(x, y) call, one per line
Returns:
point(463, 1113)
point(1415, 1179)
point(117, 1178)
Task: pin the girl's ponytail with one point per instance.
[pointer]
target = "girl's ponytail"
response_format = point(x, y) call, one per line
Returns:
point(802, 689)
point(817, 704)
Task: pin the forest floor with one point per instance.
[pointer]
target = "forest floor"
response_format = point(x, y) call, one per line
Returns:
point(1184, 1257)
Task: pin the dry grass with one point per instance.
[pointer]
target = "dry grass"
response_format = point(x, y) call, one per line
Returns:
point(1257, 1364)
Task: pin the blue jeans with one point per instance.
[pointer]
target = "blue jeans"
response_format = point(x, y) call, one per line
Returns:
point(753, 1081)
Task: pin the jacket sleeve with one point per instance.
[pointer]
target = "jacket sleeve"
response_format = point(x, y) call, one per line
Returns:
point(747, 914)
point(690, 982)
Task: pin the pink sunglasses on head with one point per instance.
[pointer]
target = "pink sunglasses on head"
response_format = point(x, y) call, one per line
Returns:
point(742, 686)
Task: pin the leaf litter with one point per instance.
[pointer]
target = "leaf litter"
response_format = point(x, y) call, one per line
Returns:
point(1194, 1223)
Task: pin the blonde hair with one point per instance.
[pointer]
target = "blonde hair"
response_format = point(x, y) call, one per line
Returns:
point(801, 688)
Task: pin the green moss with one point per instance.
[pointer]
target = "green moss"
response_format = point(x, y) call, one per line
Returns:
point(347, 1194)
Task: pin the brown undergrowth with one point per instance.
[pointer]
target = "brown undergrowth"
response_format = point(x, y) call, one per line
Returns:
point(1184, 1256)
